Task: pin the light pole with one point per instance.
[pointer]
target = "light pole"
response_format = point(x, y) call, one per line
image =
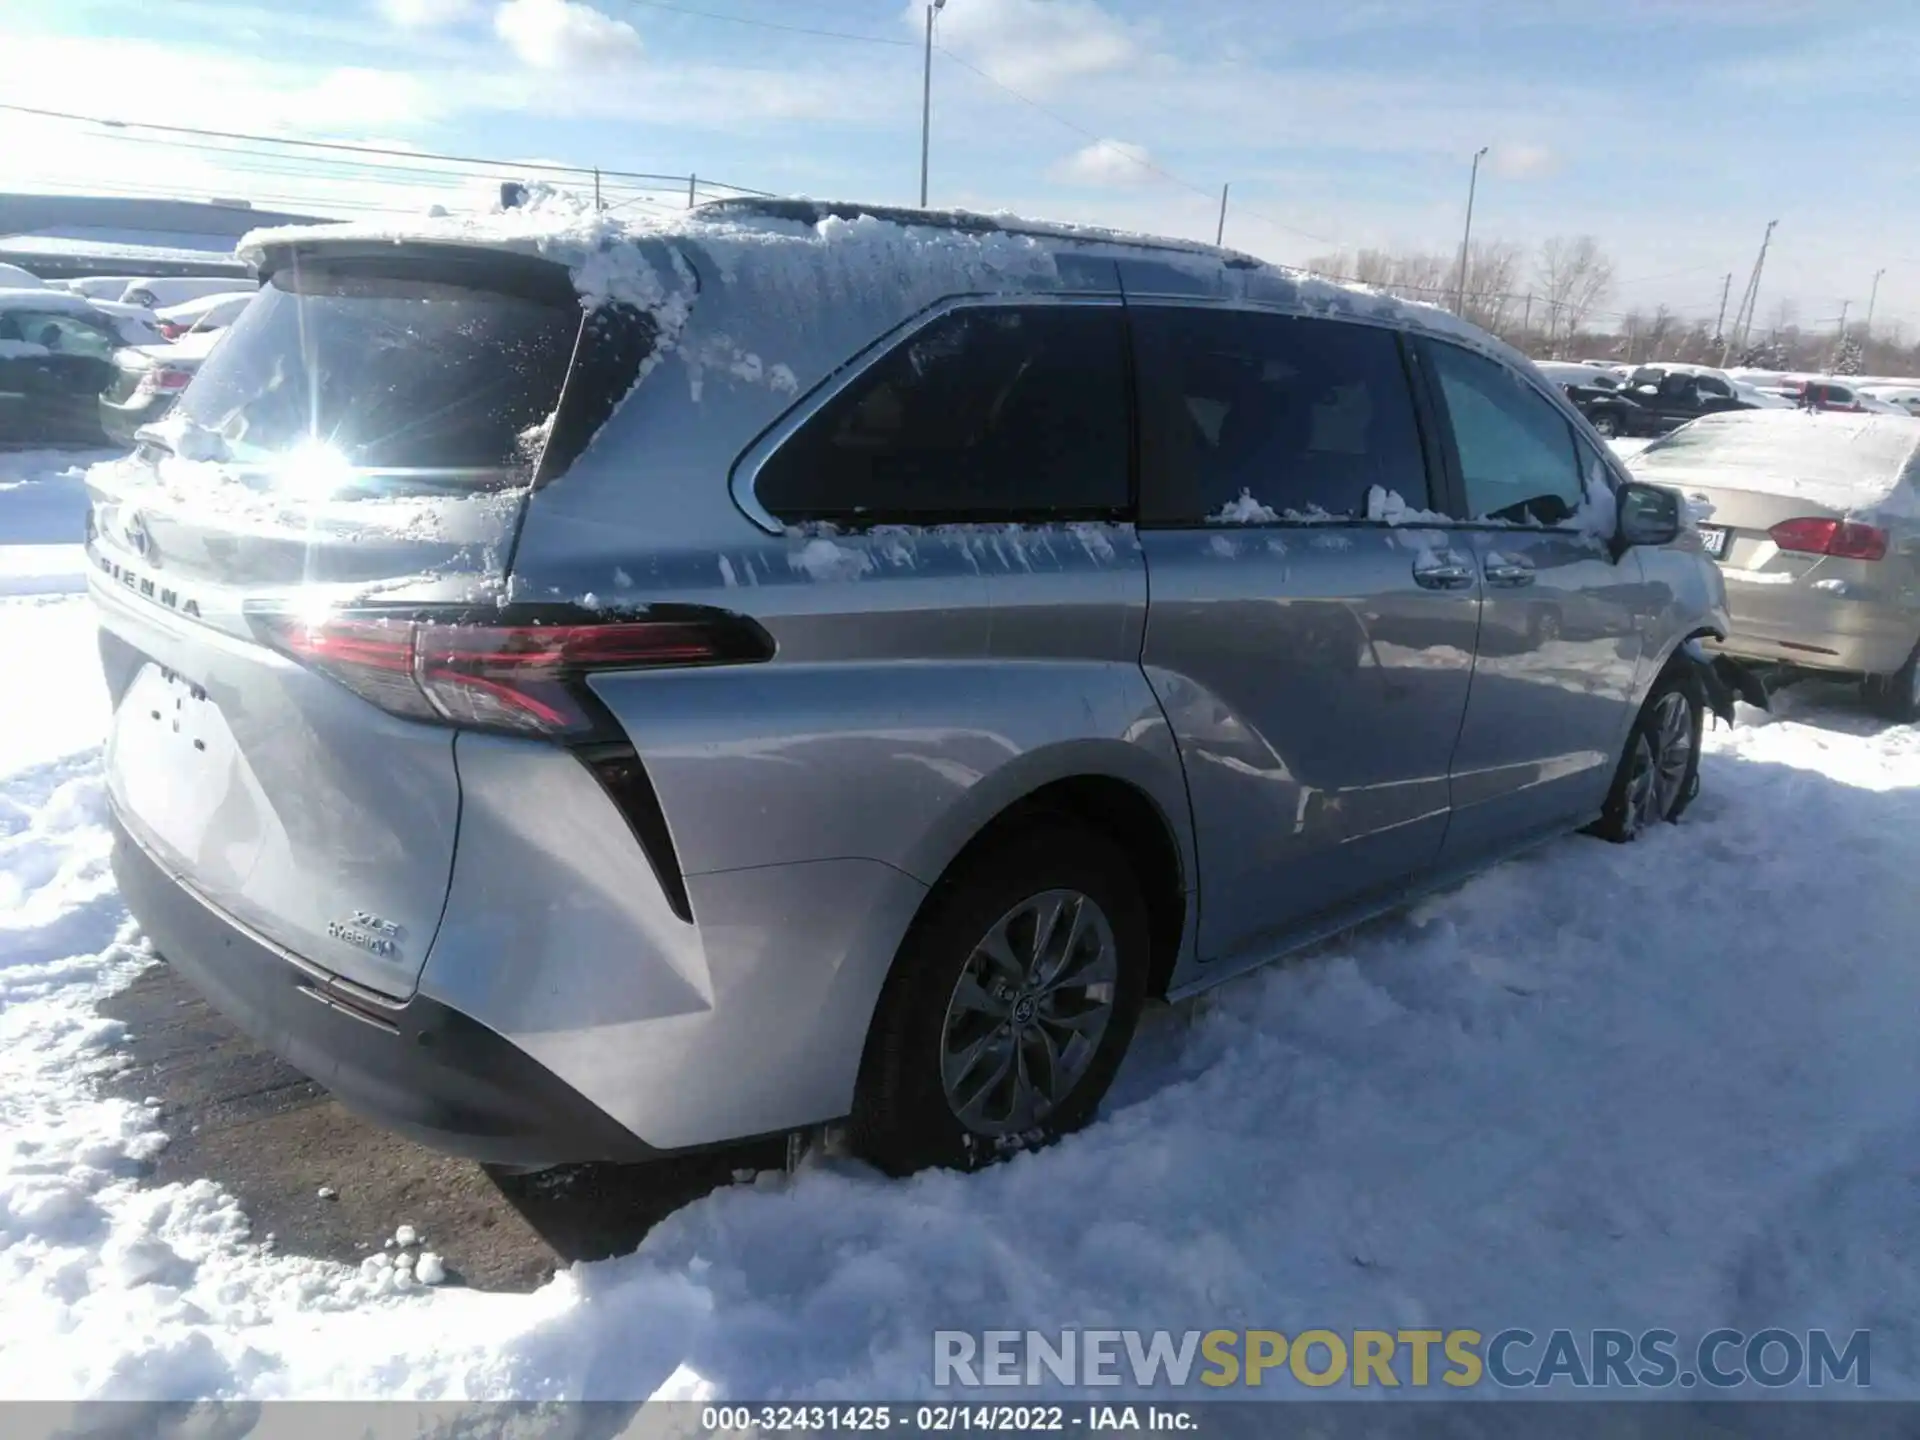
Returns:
point(1466, 238)
point(1873, 295)
point(926, 100)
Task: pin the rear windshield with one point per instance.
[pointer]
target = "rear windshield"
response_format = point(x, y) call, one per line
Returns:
point(1836, 451)
point(391, 365)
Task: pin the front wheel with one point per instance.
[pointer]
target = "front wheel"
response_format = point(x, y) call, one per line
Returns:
point(1010, 1005)
point(1659, 772)
point(1607, 425)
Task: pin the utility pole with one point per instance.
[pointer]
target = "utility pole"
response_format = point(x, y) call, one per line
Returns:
point(1720, 324)
point(1750, 302)
point(1220, 230)
point(693, 184)
point(1872, 296)
point(1466, 237)
point(596, 189)
point(926, 101)
point(1844, 306)
point(1526, 316)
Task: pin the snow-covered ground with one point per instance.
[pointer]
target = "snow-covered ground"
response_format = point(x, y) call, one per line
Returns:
point(1670, 1084)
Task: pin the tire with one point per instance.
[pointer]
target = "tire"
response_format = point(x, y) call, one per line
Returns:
point(1659, 771)
point(948, 999)
point(1607, 425)
point(1897, 696)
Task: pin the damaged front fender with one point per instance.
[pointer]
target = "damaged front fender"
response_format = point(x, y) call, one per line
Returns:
point(1723, 681)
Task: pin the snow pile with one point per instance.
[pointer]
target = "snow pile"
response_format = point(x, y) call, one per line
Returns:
point(1387, 506)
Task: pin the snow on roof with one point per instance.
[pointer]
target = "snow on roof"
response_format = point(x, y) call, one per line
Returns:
point(110, 252)
point(59, 302)
point(863, 239)
point(1844, 462)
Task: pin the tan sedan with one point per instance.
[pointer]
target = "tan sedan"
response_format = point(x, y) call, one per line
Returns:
point(1815, 520)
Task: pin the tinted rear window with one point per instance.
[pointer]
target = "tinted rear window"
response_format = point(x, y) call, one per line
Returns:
point(394, 365)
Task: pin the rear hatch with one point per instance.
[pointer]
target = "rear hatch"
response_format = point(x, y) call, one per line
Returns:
point(365, 436)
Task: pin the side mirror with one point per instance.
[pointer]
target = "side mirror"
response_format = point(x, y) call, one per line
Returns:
point(1648, 515)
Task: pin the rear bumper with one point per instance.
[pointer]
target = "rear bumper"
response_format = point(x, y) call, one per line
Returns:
point(1786, 624)
point(421, 1067)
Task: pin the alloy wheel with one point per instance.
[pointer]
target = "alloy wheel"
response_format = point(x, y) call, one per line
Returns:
point(1028, 1012)
point(1662, 755)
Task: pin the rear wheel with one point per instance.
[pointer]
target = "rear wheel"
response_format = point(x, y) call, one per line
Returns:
point(1659, 772)
point(1010, 1005)
point(1607, 424)
point(1897, 696)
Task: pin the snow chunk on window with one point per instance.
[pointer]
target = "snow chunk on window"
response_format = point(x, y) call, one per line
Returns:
point(1244, 511)
point(1388, 507)
point(822, 558)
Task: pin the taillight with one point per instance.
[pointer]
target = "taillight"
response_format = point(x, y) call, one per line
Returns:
point(164, 378)
point(171, 330)
point(521, 678)
point(1843, 539)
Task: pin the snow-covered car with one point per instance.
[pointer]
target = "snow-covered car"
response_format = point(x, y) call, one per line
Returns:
point(1815, 521)
point(100, 287)
point(12, 277)
point(208, 312)
point(1901, 397)
point(568, 756)
point(57, 354)
point(148, 379)
point(158, 292)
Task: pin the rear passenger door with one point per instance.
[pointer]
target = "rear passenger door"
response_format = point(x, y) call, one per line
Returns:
point(1313, 662)
point(1560, 629)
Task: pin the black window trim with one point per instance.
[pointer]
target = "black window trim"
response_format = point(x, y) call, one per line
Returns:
point(1426, 421)
point(1450, 449)
point(744, 480)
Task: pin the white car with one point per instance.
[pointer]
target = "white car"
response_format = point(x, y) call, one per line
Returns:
point(209, 312)
point(157, 291)
point(101, 287)
point(12, 277)
point(1900, 397)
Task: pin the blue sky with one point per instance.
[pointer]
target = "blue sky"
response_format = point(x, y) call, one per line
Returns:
point(1672, 130)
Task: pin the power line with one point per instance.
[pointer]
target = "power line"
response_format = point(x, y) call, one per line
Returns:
point(345, 148)
point(775, 25)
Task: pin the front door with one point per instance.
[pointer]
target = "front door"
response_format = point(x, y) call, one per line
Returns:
point(1560, 632)
point(1312, 658)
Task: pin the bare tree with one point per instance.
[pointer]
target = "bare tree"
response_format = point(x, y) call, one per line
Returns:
point(1574, 278)
point(1493, 273)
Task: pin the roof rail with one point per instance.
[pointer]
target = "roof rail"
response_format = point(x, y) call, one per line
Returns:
point(812, 212)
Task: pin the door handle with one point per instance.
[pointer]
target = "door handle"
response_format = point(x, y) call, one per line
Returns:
point(1443, 572)
point(1508, 574)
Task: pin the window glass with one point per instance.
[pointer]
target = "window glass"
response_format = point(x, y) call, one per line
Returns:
point(393, 370)
point(64, 335)
point(1011, 412)
point(1516, 451)
point(1300, 416)
point(1714, 387)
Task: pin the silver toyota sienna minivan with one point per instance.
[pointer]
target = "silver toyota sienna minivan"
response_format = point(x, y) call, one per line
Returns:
point(583, 691)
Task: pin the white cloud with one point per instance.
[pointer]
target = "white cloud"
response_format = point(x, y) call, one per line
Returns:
point(1524, 162)
point(1034, 44)
point(564, 35)
point(428, 14)
point(1105, 163)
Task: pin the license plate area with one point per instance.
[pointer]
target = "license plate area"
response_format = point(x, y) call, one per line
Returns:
point(1713, 540)
point(174, 766)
